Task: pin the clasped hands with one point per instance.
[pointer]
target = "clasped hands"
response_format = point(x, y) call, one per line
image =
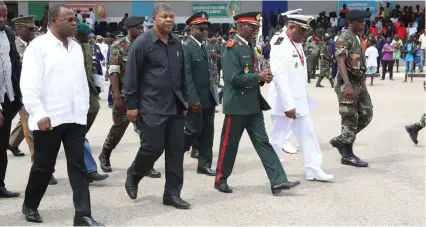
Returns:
point(266, 76)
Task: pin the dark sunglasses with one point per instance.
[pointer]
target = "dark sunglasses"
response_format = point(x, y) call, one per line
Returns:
point(69, 19)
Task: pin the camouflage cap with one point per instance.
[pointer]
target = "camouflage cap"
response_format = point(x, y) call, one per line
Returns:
point(24, 22)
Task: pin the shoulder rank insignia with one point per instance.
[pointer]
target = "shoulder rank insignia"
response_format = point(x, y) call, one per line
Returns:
point(230, 43)
point(240, 43)
point(279, 41)
point(246, 69)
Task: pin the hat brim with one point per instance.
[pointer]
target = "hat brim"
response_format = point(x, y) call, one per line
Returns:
point(304, 26)
point(201, 22)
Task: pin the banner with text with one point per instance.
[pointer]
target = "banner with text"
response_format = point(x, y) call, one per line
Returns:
point(374, 5)
point(220, 9)
point(98, 9)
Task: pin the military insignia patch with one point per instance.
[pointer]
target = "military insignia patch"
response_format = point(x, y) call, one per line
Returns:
point(246, 69)
point(308, 21)
point(297, 65)
point(203, 16)
point(279, 41)
point(258, 17)
point(240, 43)
point(230, 43)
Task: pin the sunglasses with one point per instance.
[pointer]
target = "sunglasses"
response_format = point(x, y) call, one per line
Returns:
point(69, 19)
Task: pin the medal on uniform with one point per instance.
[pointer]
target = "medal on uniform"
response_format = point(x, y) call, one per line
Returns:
point(296, 65)
point(246, 69)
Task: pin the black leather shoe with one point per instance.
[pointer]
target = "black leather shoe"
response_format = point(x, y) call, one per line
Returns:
point(177, 202)
point(223, 187)
point(95, 176)
point(207, 171)
point(53, 180)
point(194, 153)
point(153, 174)
point(31, 215)
point(104, 161)
point(131, 186)
point(4, 193)
point(15, 151)
point(86, 221)
point(349, 158)
point(276, 189)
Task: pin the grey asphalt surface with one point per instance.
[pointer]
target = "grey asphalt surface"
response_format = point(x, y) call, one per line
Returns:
point(390, 192)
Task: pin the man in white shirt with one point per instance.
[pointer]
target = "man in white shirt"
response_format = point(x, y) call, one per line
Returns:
point(411, 30)
point(79, 16)
point(422, 40)
point(92, 16)
point(10, 93)
point(288, 96)
point(56, 95)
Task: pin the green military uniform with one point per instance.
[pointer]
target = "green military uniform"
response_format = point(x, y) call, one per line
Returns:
point(199, 126)
point(313, 57)
point(117, 65)
point(325, 62)
point(357, 112)
point(243, 105)
point(413, 130)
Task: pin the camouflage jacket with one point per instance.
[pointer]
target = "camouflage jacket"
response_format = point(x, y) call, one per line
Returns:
point(314, 48)
point(325, 52)
point(118, 59)
point(349, 45)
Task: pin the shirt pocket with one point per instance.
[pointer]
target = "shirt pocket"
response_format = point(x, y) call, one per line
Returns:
point(354, 60)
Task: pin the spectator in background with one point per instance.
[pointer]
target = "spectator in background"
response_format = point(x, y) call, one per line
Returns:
point(402, 32)
point(381, 13)
point(266, 50)
point(364, 42)
point(409, 51)
point(397, 44)
point(344, 9)
point(422, 41)
point(92, 16)
point(374, 31)
point(79, 16)
point(409, 15)
point(379, 24)
point(388, 30)
point(367, 21)
point(380, 43)
point(417, 11)
point(371, 55)
point(388, 58)
point(396, 12)
point(388, 10)
point(411, 30)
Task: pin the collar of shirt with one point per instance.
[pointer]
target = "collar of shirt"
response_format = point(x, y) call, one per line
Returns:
point(56, 41)
point(199, 44)
point(242, 39)
point(25, 43)
point(155, 37)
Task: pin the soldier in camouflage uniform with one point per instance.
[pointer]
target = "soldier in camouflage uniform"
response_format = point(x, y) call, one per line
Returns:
point(215, 59)
point(325, 62)
point(313, 56)
point(355, 107)
point(117, 67)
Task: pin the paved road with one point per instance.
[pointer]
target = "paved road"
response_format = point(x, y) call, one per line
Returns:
point(389, 192)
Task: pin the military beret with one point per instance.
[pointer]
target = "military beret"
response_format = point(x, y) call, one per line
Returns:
point(250, 17)
point(24, 21)
point(356, 14)
point(83, 29)
point(198, 18)
point(133, 21)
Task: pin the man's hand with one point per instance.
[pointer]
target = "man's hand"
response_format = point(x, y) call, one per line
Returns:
point(349, 92)
point(133, 115)
point(1, 119)
point(266, 75)
point(118, 105)
point(44, 124)
point(291, 114)
point(196, 107)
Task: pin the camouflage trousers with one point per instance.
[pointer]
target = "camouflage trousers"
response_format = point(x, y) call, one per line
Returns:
point(355, 114)
point(215, 73)
point(421, 123)
point(120, 124)
point(325, 72)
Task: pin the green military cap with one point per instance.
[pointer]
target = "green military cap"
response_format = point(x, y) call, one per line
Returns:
point(250, 17)
point(133, 21)
point(198, 18)
point(24, 22)
point(118, 34)
point(356, 14)
point(83, 28)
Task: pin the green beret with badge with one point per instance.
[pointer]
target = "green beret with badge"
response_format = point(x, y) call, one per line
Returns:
point(83, 28)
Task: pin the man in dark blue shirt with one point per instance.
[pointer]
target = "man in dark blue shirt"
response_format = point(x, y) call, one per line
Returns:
point(380, 43)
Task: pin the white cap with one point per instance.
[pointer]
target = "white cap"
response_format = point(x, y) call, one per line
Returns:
point(301, 20)
point(291, 12)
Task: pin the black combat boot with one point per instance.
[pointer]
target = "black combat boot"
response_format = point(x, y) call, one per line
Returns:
point(349, 158)
point(319, 83)
point(413, 131)
point(104, 161)
point(194, 152)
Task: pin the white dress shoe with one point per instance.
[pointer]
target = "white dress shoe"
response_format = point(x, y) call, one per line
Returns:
point(289, 148)
point(320, 176)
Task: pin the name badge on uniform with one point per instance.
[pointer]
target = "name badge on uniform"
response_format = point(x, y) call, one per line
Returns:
point(246, 69)
point(297, 65)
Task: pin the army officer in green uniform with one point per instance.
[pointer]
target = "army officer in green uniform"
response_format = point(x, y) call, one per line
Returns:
point(199, 122)
point(243, 105)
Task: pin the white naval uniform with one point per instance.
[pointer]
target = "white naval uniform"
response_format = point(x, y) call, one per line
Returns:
point(289, 91)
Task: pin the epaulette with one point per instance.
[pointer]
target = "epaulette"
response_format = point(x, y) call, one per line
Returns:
point(230, 43)
point(279, 41)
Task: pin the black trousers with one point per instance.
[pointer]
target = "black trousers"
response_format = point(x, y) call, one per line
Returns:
point(158, 133)
point(199, 126)
point(10, 109)
point(47, 144)
point(387, 66)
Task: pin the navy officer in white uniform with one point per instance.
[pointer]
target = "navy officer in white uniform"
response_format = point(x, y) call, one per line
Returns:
point(288, 96)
